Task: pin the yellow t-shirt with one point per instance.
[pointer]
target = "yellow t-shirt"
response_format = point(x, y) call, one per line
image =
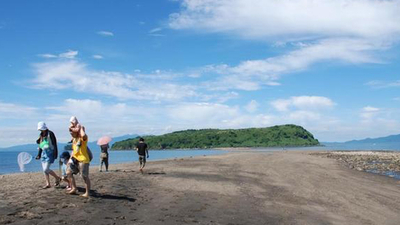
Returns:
point(80, 153)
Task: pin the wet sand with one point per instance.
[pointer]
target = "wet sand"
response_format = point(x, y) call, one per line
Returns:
point(234, 188)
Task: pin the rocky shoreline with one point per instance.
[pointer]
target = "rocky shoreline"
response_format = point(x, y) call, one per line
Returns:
point(380, 162)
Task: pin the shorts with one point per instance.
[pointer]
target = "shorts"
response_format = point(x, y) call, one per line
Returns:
point(142, 159)
point(46, 167)
point(81, 168)
point(64, 170)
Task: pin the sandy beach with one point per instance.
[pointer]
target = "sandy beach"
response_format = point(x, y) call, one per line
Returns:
point(285, 187)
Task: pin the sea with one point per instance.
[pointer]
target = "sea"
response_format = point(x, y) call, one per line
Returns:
point(9, 164)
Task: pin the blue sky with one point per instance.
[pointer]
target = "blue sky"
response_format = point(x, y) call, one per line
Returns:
point(152, 67)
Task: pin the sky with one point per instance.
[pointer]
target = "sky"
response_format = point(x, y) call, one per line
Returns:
point(154, 67)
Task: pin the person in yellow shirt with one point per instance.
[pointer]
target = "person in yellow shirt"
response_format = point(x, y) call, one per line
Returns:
point(79, 162)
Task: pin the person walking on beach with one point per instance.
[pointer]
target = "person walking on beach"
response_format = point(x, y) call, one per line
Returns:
point(104, 156)
point(48, 152)
point(79, 161)
point(143, 153)
point(64, 157)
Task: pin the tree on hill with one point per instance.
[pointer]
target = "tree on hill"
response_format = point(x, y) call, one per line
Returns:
point(282, 136)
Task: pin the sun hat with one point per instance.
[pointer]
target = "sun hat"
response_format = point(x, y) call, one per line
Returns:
point(73, 119)
point(41, 126)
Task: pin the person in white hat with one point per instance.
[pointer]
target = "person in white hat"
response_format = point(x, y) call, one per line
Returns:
point(48, 152)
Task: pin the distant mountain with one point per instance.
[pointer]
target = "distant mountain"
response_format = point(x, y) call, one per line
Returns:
point(92, 145)
point(388, 139)
point(391, 142)
point(285, 135)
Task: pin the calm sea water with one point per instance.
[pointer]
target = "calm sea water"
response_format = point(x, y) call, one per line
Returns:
point(8, 159)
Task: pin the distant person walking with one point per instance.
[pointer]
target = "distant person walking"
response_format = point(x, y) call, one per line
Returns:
point(48, 152)
point(143, 153)
point(104, 156)
point(79, 161)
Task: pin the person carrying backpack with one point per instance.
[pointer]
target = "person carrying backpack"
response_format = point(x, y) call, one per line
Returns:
point(47, 152)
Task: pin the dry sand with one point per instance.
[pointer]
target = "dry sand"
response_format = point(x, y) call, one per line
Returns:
point(235, 188)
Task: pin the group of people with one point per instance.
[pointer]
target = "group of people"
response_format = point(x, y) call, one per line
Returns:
point(78, 161)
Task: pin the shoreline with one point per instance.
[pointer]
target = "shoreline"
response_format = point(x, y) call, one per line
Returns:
point(285, 187)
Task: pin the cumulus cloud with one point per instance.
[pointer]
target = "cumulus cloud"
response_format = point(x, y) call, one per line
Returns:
point(252, 106)
point(105, 33)
point(76, 76)
point(303, 103)
point(286, 19)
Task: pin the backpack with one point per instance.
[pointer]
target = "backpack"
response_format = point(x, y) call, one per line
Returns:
point(89, 153)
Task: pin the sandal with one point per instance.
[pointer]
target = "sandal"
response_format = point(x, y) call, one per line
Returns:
point(45, 187)
point(57, 183)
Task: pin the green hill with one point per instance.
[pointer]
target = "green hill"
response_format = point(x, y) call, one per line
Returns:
point(285, 135)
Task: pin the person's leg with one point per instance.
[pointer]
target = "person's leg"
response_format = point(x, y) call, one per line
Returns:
point(72, 181)
point(84, 168)
point(101, 164)
point(140, 162)
point(106, 163)
point(58, 179)
point(45, 166)
point(143, 162)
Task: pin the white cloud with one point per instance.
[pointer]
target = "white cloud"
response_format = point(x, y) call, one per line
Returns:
point(286, 19)
point(383, 84)
point(77, 76)
point(97, 56)
point(155, 32)
point(370, 109)
point(157, 29)
point(69, 54)
point(47, 56)
point(11, 110)
point(349, 31)
point(252, 106)
point(253, 74)
point(105, 33)
point(368, 113)
point(303, 103)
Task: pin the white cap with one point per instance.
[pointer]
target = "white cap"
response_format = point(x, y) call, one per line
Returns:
point(41, 126)
point(73, 119)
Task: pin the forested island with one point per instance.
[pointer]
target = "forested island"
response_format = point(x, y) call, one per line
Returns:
point(276, 136)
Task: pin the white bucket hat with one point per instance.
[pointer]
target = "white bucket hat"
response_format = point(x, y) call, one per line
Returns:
point(73, 119)
point(41, 126)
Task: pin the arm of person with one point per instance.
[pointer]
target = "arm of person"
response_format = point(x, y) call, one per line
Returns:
point(147, 152)
point(39, 153)
point(39, 149)
point(53, 140)
point(76, 128)
point(82, 133)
